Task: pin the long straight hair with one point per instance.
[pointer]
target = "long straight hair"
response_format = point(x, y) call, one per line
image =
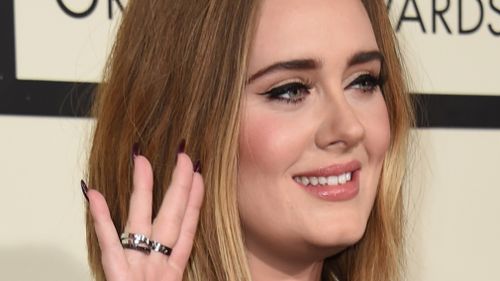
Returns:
point(178, 70)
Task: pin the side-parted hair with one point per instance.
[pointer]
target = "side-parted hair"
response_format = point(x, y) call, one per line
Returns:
point(178, 71)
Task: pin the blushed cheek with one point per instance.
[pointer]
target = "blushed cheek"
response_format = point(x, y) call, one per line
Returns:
point(264, 154)
point(255, 143)
point(268, 143)
point(378, 132)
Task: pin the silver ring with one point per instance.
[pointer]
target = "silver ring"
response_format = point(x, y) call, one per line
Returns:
point(130, 244)
point(135, 241)
point(136, 237)
point(158, 247)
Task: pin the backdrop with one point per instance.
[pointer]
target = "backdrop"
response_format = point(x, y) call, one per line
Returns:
point(52, 53)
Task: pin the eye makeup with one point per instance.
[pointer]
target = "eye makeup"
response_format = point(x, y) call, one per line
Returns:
point(292, 92)
point(295, 92)
point(366, 82)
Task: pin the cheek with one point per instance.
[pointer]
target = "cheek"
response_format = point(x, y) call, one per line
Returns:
point(268, 144)
point(376, 123)
point(259, 138)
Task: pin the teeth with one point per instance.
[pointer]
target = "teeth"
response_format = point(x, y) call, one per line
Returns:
point(342, 179)
point(331, 180)
point(305, 180)
point(322, 180)
point(314, 180)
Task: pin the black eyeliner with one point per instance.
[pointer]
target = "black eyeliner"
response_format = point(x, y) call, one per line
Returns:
point(277, 91)
point(374, 81)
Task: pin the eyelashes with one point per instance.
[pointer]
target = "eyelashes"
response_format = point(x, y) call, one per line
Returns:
point(367, 83)
point(296, 92)
point(293, 92)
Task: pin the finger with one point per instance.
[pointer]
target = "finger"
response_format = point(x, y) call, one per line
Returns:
point(140, 207)
point(139, 217)
point(167, 224)
point(184, 245)
point(113, 258)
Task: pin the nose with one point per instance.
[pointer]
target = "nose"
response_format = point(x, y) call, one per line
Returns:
point(341, 127)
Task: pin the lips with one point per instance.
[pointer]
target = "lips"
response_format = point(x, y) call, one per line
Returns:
point(333, 183)
point(332, 170)
point(329, 180)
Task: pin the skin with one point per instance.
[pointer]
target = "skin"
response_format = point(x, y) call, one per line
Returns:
point(175, 225)
point(289, 232)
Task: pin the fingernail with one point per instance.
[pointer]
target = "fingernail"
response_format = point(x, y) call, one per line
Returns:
point(135, 149)
point(197, 167)
point(182, 146)
point(85, 189)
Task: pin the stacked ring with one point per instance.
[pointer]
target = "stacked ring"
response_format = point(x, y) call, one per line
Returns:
point(135, 242)
point(155, 246)
point(142, 243)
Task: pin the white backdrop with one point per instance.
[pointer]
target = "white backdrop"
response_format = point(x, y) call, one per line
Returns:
point(455, 221)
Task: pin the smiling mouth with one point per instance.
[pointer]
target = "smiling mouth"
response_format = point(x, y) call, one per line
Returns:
point(324, 180)
point(333, 175)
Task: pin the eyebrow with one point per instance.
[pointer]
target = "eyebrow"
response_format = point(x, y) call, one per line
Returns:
point(364, 57)
point(310, 64)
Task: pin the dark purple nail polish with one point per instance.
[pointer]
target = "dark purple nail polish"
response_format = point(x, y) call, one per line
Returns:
point(182, 146)
point(197, 167)
point(85, 189)
point(135, 149)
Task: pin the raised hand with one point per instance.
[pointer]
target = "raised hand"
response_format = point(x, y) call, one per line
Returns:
point(174, 227)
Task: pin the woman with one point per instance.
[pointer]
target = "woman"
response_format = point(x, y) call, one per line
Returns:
point(298, 113)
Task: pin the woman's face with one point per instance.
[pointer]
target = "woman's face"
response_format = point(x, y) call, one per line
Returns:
point(314, 131)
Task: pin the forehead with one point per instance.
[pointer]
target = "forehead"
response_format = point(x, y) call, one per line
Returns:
point(324, 29)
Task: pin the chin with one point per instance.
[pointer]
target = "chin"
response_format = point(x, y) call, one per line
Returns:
point(329, 248)
point(339, 236)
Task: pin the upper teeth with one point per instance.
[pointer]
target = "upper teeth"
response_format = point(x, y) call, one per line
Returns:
point(331, 180)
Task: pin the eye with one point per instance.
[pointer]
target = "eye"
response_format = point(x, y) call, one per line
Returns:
point(290, 93)
point(367, 83)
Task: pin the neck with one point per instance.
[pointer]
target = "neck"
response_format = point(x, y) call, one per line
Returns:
point(265, 268)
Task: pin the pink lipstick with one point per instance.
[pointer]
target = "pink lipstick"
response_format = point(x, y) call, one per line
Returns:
point(338, 182)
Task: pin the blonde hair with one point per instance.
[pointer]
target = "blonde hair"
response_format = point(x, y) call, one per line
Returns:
point(178, 71)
